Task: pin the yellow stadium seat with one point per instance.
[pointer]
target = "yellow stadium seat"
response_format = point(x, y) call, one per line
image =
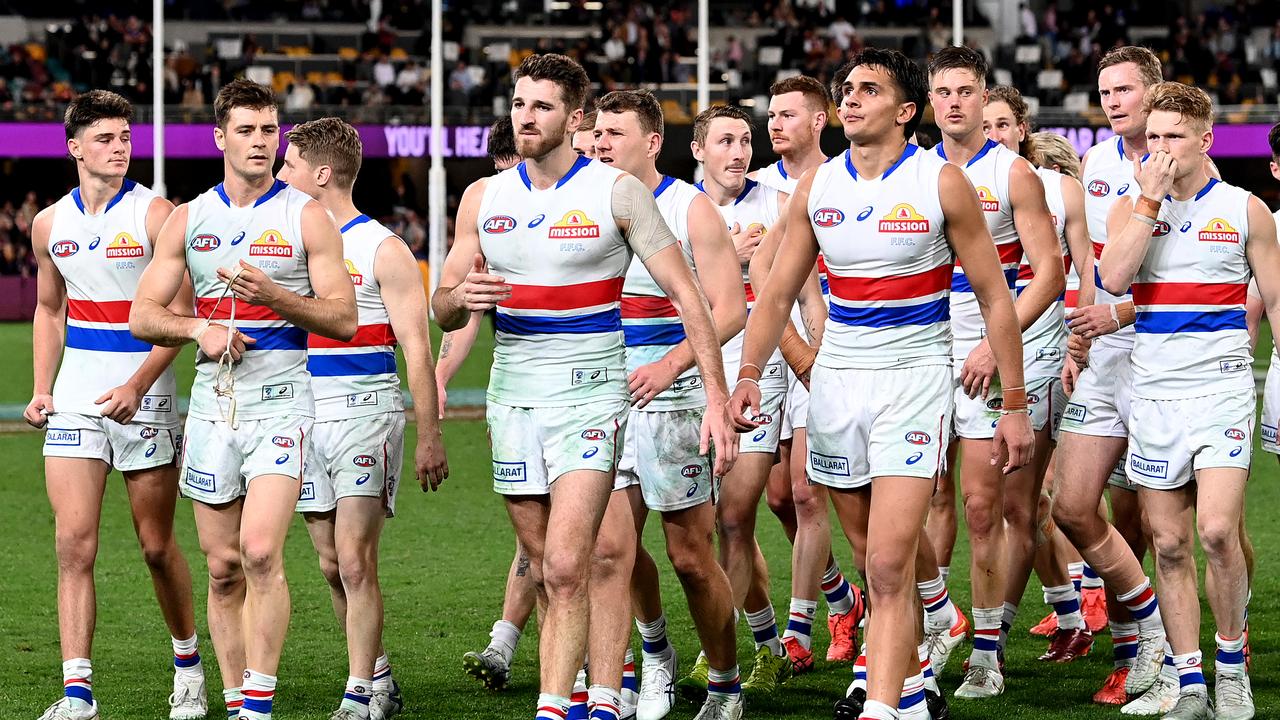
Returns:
point(282, 80)
point(315, 77)
point(36, 51)
point(398, 54)
point(348, 53)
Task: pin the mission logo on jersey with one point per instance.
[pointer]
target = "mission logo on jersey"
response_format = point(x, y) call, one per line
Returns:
point(988, 200)
point(575, 225)
point(903, 218)
point(1219, 230)
point(356, 277)
point(124, 246)
point(271, 244)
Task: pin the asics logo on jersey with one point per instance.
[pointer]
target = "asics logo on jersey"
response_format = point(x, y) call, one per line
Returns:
point(1161, 229)
point(1235, 434)
point(1122, 189)
point(827, 217)
point(124, 246)
point(593, 434)
point(65, 248)
point(96, 239)
point(271, 244)
point(903, 218)
point(205, 243)
point(1219, 230)
point(575, 225)
point(1185, 226)
point(691, 471)
point(988, 200)
point(918, 437)
point(915, 458)
point(364, 461)
point(537, 221)
point(866, 213)
point(356, 277)
point(499, 224)
point(236, 240)
point(1099, 188)
point(282, 441)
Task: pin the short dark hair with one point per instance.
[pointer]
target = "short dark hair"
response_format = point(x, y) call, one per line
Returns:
point(502, 139)
point(244, 93)
point(333, 142)
point(641, 102)
point(912, 86)
point(1273, 138)
point(959, 57)
point(562, 70)
point(1021, 115)
point(703, 121)
point(93, 106)
point(810, 88)
point(1148, 63)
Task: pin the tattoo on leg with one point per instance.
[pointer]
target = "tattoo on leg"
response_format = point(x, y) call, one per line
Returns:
point(522, 565)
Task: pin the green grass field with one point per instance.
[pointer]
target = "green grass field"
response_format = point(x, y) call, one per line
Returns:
point(443, 563)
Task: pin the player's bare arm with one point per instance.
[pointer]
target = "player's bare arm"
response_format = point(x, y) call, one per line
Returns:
point(637, 216)
point(400, 284)
point(1128, 229)
point(713, 258)
point(967, 232)
point(454, 348)
point(1076, 230)
point(1263, 253)
point(792, 265)
point(465, 283)
point(332, 312)
point(48, 328)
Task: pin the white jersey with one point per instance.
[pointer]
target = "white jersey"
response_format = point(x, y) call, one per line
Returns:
point(1044, 344)
point(775, 176)
point(989, 173)
point(358, 377)
point(101, 258)
point(1189, 294)
point(755, 205)
point(888, 263)
point(559, 335)
point(271, 379)
point(650, 324)
point(1108, 176)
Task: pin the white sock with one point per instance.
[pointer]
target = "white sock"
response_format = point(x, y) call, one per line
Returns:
point(505, 636)
point(653, 638)
point(357, 696)
point(764, 627)
point(876, 710)
point(382, 680)
point(77, 684)
point(259, 691)
point(186, 658)
point(800, 621)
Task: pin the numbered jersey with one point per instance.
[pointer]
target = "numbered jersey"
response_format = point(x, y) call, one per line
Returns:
point(559, 335)
point(989, 173)
point(756, 205)
point(1189, 294)
point(888, 263)
point(1108, 176)
point(650, 324)
point(271, 378)
point(1044, 344)
point(101, 258)
point(358, 377)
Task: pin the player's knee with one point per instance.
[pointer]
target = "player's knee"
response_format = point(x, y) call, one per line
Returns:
point(736, 527)
point(329, 569)
point(356, 571)
point(781, 505)
point(226, 576)
point(981, 516)
point(887, 573)
point(157, 553)
point(76, 550)
point(810, 505)
point(1219, 539)
point(692, 561)
point(1074, 524)
point(564, 574)
point(1020, 518)
point(1172, 547)
point(261, 558)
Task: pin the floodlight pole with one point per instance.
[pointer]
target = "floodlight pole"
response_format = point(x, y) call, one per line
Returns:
point(704, 57)
point(957, 22)
point(157, 94)
point(436, 240)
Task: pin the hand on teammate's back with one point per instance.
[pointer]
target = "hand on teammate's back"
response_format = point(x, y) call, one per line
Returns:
point(120, 403)
point(250, 284)
point(38, 411)
point(481, 291)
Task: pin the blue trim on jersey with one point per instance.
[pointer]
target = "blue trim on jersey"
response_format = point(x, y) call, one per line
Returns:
point(103, 340)
point(124, 190)
point(986, 148)
point(907, 152)
point(357, 220)
point(275, 189)
point(751, 185)
point(923, 314)
point(600, 322)
point(276, 338)
point(578, 164)
point(374, 363)
point(960, 282)
point(1166, 322)
point(782, 170)
point(666, 182)
point(660, 334)
point(1208, 186)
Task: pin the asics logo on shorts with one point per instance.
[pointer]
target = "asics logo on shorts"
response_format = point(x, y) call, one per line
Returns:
point(692, 489)
point(151, 450)
point(915, 458)
point(282, 459)
point(590, 453)
point(1236, 452)
point(362, 479)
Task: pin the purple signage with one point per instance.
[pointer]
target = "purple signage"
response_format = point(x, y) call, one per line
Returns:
point(48, 140)
point(1229, 141)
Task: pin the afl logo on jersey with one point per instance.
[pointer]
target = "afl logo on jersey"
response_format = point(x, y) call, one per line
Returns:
point(988, 200)
point(356, 277)
point(827, 217)
point(903, 218)
point(1161, 229)
point(575, 225)
point(1219, 230)
point(124, 246)
point(271, 244)
point(1099, 188)
point(499, 224)
point(205, 243)
point(65, 248)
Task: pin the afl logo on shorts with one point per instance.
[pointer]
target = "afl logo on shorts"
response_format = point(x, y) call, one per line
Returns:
point(1235, 434)
point(691, 471)
point(148, 433)
point(65, 248)
point(917, 437)
point(205, 243)
point(827, 217)
point(363, 461)
point(282, 441)
point(763, 419)
point(499, 224)
point(594, 434)
point(1099, 188)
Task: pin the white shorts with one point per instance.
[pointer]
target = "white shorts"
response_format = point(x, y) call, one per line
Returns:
point(218, 463)
point(878, 423)
point(1271, 409)
point(124, 447)
point(356, 457)
point(1099, 405)
point(532, 447)
point(660, 454)
point(764, 439)
point(976, 419)
point(796, 413)
point(1170, 439)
